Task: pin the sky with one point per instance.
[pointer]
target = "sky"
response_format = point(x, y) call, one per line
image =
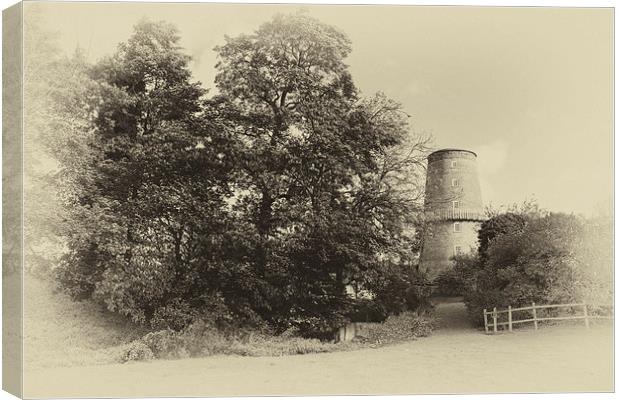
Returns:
point(530, 90)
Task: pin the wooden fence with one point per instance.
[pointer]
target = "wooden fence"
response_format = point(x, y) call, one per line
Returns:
point(580, 311)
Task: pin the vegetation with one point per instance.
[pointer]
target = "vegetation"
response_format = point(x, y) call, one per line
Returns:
point(450, 283)
point(61, 332)
point(547, 258)
point(251, 209)
point(201, 339)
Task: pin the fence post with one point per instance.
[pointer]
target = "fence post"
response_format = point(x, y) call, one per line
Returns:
point(585, 315)
point(534, 314)
point(510, 318)
point(494, 319)
point(486, 324)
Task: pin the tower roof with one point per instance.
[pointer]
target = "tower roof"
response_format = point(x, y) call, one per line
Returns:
point(452, 149)
point(444, 153)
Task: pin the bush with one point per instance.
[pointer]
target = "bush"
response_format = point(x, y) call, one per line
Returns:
point(449, 283)
point(367, 310)
point(547, 260)
point(406, 326)
point(175, 315)
point(401, 288)
point(418, 299)
point(202, 339)
point(136, 351)
point(509, 222)
point(261, 345)
point(164, 344)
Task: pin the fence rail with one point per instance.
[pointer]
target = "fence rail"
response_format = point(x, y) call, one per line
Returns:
point(495, 313)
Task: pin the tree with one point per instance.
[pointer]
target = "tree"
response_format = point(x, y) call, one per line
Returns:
point(500, 224)
point(152, 189)
point(545, 259)
point(321, 183)
point(255, 207)
point(50, 85)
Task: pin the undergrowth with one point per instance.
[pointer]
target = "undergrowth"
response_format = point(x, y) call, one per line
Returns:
point(60, 332)
point(201, 340)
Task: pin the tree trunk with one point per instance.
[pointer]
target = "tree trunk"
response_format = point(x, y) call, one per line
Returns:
point(178, 238)
point(264, 229)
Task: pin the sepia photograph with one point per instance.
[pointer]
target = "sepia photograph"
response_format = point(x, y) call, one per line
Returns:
point(243, 199)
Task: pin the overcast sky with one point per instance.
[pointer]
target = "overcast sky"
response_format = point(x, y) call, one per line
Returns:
point(529, 89)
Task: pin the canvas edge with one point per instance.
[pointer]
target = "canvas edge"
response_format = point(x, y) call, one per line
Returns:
point(12, 199)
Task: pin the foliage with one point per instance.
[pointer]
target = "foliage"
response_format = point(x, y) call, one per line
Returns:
point(203, 339)
point(528, 208)
point(449, 283)
point(55, 116)
point(255, 207)
point(134, 200)
point(318, 170)
point(136, 351)
point(398, 289)
point(368, 310)
point(501, 224)
point(406, 326)
point(595, 256)
point(545, 259)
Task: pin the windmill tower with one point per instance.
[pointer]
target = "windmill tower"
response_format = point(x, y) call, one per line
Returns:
point(453, 209)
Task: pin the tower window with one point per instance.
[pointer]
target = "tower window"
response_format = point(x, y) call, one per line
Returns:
point(453, 164)
point(455, 182)
point(457, 250)
point(457, 227)
point(456, 205)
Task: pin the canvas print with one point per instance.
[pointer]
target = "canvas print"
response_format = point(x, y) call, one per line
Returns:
point(208, 199)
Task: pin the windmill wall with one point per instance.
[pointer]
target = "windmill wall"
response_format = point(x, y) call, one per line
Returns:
point(453, 209)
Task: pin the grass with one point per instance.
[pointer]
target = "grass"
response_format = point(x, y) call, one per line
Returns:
point(201, 340)
point(60, 332)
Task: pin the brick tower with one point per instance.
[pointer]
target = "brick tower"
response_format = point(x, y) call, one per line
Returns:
point(453, 209)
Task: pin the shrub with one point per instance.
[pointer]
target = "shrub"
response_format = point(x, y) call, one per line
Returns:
point(202, 339)
point(175, 315)
point(406, 326)
point(449, 283)
point(418, 299)
point(261, 345)
point(368, 310)
point(136, 351)
point(546, 261)
point(401, 288)
point(163, 344)
point(320, 324)
point(509, 222)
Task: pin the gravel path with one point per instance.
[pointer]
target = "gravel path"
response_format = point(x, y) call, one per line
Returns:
point(456, 359)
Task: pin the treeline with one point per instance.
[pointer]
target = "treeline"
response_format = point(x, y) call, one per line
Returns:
point(257, 206)
point(529, 255)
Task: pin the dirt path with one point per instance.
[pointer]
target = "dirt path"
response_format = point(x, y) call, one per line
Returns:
point(452, 317)
point(456, 359)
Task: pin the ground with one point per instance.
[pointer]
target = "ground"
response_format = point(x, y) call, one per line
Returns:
point(455, 359)
point(60, 332)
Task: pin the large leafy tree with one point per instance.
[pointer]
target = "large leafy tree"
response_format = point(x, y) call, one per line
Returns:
point(321, 185)
point(56, 126)
point(259, 204)
point(153, 188)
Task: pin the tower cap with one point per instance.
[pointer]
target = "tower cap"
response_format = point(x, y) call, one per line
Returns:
point(437, 153)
